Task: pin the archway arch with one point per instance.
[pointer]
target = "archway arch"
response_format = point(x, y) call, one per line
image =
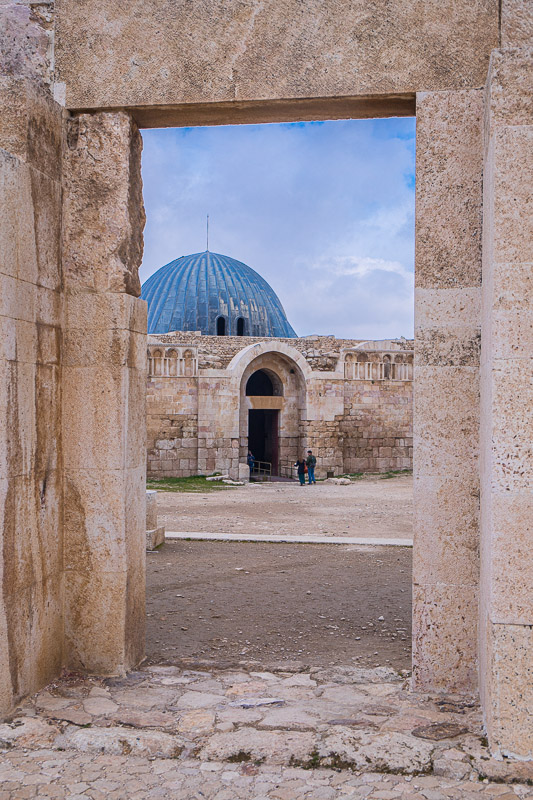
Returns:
point(272, 403)
point(264, 383)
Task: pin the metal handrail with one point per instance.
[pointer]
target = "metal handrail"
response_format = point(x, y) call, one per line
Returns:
point(261, 470)
point(286, 469)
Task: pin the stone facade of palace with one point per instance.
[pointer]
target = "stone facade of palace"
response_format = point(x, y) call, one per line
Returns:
point(348, 401)
point(77, 82)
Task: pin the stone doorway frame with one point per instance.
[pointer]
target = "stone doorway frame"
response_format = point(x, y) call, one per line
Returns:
point(448, 266)
point(449, 139)
point(85, 592)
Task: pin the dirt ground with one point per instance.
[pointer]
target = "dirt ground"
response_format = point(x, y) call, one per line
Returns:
point(372, 507)
point(320, 605)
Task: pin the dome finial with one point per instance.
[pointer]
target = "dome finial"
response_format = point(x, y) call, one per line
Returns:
point(207, 235)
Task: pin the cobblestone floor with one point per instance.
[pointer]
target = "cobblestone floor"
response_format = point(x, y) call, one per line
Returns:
point(166, 732)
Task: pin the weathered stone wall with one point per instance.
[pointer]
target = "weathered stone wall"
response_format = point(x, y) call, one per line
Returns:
point(31, 309)
point(172, 426)
point(347, 412)
point(377, 426)
point(216, 352)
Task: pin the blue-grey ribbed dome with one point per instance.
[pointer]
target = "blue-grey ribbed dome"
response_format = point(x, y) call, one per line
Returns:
point(212, 293)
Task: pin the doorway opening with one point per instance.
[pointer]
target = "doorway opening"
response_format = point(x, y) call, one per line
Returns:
point(263, 436)
point(340, 261)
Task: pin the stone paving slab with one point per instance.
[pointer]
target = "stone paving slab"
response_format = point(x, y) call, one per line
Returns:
point(76, 776)
point(171, 732)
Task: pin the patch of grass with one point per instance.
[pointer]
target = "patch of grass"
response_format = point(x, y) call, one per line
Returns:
point(353, 476)
point(194, 484)
point(311, 763)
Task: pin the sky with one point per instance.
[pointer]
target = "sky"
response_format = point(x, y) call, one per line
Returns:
point(324, 211)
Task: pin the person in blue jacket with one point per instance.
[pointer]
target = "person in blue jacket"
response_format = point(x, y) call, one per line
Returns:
point(311, 464)
point(250, 460)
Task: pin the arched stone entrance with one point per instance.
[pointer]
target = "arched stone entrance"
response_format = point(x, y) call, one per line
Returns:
point(272, 403)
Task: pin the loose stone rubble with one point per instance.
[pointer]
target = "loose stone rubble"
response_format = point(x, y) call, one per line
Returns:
point(250, 732)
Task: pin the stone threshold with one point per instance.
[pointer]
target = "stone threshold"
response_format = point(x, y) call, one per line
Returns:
point(319, 723)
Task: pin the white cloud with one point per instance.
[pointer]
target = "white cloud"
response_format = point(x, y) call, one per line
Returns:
point(324, 211)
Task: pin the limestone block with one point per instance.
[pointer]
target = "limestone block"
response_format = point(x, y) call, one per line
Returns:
point(18, 299)
point(115, 740)
point(95, 623)
point(105, 310)
point(32, 548)
point(97, 439)
point(344, 49)
point(48, 343)
point(511, 557)
point(511, 690)
point(508, 95)
point(445, 621)
point(516, 23)
point(135, 451)
point(244, 473)
point(135, 499)
point(32, 126)
point(512, 176)
point(113, 346)
point(448, 327)
point(34, 622)
point(151, 509)
point(155, 538)
point(25, 44)
point(509, 320)
point(512, 424)
point(30, 224)
point(446, 420)
point(16, 230)
point(95, 511)
point(449, 173)
point(446, 525)
point(103, 211)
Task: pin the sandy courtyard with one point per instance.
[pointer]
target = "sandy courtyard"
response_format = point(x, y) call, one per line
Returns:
point(267, 602)
point(320, 604)
point(373, 507)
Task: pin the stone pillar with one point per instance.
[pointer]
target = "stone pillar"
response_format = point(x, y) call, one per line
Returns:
point(506, 641)
point(104, 394)
point(446, 390)
point(31, 480)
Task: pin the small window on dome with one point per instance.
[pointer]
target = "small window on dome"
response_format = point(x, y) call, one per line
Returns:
point(240, 326)
point(221, 326)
